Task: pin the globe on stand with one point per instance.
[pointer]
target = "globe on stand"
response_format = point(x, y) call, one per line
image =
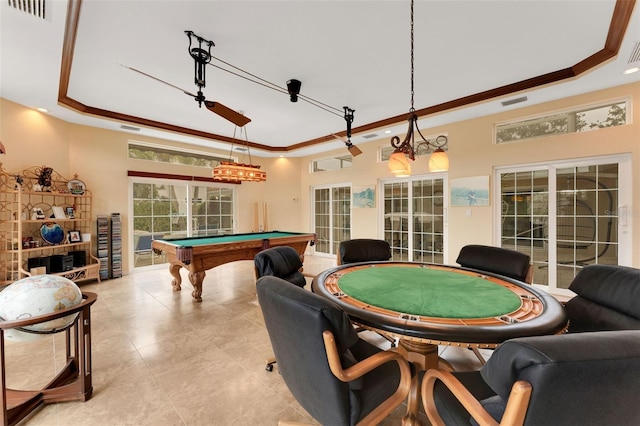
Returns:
point(34, 296)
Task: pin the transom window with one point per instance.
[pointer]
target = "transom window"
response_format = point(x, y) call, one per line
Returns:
point(582, 120)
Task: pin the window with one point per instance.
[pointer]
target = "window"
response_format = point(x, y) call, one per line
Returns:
point(583, 120)
point(332, 217)
point(565, 216)
point(414, 222)
point(175, 210)
point(335, 163)
point(142, 151)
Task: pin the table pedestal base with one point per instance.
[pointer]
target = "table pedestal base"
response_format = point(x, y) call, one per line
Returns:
point(424, 356)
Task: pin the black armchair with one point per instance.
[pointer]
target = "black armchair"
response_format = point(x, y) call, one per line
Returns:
point(282, 262)
point(497, 260)
point(363, 250)
point(572, 379)
point(337, 377)
point(607, 298)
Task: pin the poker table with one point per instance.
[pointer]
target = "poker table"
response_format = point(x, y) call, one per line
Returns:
point(426, 305)
point(199, 254)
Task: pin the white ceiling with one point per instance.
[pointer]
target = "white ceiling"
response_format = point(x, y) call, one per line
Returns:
point(346, 53)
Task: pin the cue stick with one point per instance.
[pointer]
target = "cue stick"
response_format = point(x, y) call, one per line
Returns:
point(264, 215)
point(256, 225)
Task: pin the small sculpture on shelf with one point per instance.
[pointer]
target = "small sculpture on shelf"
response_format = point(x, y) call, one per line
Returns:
point(44, 178)
point(19, 181)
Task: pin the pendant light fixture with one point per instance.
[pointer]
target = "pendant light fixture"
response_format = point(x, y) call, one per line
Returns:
point(232, 172)
point(406, 150)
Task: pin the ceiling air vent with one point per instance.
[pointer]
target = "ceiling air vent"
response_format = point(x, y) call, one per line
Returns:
point(369, 136)
point(514, 101)
point(635, 53)
point(33, 7)
point(131, 128)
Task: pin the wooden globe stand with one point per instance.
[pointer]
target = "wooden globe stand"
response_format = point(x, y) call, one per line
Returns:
point(72, 383)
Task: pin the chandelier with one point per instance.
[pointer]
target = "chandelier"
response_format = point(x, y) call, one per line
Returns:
point(232, 172)
point(406, 150)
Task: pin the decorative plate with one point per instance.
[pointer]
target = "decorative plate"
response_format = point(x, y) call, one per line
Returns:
point(76, 187)
point(52, 233)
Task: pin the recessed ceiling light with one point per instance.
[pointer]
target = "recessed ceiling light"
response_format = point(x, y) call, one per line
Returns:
point(42, 109)
point(631, 70)
point(387, 131)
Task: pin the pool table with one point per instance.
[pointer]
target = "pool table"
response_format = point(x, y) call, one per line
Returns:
point(198, 254)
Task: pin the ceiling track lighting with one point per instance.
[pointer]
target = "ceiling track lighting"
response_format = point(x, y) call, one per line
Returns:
point(405, 150)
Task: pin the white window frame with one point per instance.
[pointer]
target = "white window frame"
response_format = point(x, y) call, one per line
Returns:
point(175, 182)
point(625, 243)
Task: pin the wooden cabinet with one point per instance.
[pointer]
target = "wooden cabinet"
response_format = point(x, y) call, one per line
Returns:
point(45, 220)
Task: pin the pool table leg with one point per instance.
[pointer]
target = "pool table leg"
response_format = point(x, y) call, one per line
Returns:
point(196, 279)
point(174, 270)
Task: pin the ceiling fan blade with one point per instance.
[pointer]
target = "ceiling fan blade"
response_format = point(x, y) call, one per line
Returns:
point(158, 80)
point(354, 150)
point(227, 113)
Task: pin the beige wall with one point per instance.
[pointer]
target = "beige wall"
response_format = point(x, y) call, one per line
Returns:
point(99, 157)
point(473, 153)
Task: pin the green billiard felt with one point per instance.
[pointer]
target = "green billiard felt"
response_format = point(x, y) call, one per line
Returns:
point(429, 292)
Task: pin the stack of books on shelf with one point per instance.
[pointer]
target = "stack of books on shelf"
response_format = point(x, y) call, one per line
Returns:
point(116, 246)
point(103, 246)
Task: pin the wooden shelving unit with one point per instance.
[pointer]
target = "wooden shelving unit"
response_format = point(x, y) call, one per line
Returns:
point(21, 234)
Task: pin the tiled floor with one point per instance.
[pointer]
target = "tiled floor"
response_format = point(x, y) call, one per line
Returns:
point(161, 359)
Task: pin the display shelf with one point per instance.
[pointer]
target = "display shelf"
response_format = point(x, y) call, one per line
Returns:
point(31, 198)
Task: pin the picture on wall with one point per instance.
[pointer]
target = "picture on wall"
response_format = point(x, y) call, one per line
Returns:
point(470, 191)
point(363, 197)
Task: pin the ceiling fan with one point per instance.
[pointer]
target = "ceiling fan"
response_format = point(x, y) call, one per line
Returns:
point(348, 117)
point(201, 58)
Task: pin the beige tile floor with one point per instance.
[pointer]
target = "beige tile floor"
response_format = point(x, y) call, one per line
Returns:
point(161, 359)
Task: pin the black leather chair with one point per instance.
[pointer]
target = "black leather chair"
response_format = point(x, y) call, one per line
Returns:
point(281, 261)
point(497, 260)
point(571, 379)
point(363, 250)
point(607, 298)
point(337, 377)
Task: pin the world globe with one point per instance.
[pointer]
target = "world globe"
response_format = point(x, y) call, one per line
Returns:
point(34, 296)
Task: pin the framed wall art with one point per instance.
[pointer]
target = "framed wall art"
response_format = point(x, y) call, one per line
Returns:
point(363, 196)
point(470, 191)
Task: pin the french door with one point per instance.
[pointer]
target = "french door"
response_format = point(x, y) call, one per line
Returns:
point(566, 215)
point(414, 218)
point(331, 217)
point(176, 209)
